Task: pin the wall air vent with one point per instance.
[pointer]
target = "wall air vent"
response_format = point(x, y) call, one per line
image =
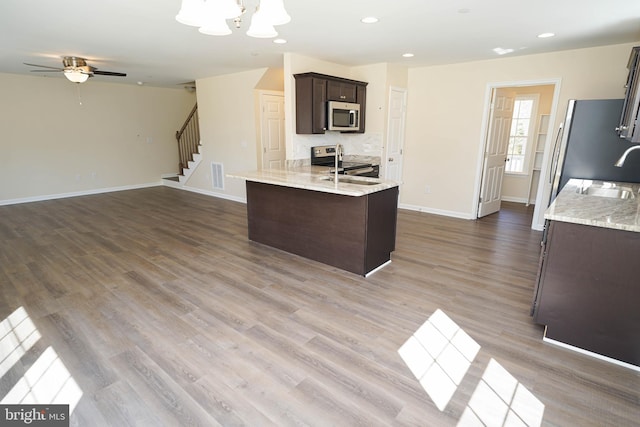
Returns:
point(217, 176)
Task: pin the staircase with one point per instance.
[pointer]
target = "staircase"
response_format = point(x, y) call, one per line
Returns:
point(190, 156)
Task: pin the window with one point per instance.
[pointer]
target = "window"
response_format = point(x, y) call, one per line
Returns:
point(523, 113)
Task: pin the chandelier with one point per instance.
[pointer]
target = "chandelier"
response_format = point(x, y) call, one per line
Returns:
point(211, 16)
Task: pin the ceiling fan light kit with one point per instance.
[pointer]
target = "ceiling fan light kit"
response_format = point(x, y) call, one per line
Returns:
point(75, 69)
point(76, 76)
point(211, 16)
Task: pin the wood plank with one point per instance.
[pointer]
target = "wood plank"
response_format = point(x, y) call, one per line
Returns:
point(165, 314)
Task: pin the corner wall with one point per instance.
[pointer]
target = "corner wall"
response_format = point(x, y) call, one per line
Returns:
point(60, 138)
point(379, 78)
point(445, 117)
point(228, 120)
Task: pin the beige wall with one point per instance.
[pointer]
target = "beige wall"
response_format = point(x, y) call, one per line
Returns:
point(379, 78)
point(446, 114)
point(122, 135)
point(228, 128)
point(229, 119)
point(59, 138)
point(298, 146)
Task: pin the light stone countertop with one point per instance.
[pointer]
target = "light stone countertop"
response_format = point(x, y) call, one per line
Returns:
point(573, 205)
point(314, 178)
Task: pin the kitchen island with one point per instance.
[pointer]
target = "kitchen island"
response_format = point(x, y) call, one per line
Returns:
point(350, 224)
point(588, 290)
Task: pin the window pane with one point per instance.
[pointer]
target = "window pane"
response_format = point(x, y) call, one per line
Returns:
point(518, 136)
point(522, 127)
point(525, 108)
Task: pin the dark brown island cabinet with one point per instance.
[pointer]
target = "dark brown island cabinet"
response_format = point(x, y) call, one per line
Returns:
point(353, 233)
point(588, 293)
point(313, 90)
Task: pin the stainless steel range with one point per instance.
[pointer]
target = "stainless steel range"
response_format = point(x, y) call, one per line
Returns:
point(325, 155)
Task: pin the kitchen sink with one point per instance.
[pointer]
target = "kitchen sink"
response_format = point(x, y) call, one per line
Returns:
point(349, 180)
point(608, 192)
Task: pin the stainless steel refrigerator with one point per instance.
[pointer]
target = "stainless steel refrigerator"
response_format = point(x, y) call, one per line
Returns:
point(587, 145)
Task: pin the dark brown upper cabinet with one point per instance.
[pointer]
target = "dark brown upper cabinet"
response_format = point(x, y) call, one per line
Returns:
point(313, 90)
point(341, 91)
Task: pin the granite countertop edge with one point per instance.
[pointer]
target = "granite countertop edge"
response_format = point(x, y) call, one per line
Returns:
point(311, 178)
point(572, 205)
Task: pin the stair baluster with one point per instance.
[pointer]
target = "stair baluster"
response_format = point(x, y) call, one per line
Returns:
point(188, 138)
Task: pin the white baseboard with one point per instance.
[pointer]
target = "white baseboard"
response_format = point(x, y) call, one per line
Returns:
point(589, 353)
point(378, 268)
point(522, 200)
point(77, 193)
point(454, 214)
point(212, 194)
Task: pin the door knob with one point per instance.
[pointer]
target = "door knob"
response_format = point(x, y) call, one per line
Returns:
point(391, 159)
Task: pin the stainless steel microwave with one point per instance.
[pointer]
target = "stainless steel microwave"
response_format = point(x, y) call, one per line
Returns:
point(343, 116)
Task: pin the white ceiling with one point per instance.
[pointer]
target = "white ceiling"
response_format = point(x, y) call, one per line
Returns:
point(143, 39)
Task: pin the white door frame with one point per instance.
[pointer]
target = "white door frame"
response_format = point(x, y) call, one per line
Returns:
point(544, 186)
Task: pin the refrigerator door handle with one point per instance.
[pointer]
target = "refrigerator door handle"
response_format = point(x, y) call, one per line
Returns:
point(556, 154)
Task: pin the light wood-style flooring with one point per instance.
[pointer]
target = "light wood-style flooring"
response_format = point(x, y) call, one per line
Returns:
point(158, 311)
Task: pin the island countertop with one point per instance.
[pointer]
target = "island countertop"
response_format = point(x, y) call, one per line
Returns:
point(598, 203)
point(316, 178)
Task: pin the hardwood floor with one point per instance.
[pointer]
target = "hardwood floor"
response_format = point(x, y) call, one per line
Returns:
point(161, 312)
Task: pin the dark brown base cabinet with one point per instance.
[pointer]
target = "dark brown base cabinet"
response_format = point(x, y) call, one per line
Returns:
point(588, 292)
point(356, 234)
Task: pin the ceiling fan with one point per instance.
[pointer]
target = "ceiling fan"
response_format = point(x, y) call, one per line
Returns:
point(75, 69)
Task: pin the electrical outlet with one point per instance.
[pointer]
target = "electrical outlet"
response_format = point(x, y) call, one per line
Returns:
point(427, 189)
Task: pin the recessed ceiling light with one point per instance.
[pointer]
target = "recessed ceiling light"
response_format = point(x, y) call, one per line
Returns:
point(408, 55)
point(279, 41)
point(464, 10)
point(545, 35)
point(502, 51)
point(369, 20)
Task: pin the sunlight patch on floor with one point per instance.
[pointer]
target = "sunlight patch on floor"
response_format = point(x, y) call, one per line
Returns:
point(439, 355)
point(17, 335)
point(501, 400)
point(47, 381)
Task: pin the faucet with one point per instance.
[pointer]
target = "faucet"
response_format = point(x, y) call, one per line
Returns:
point(338, 159)
point(622, 158)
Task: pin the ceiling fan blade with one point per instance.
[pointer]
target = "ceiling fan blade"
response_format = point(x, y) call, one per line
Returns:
point(109, 73)
point(46, 71)
point(43, 66)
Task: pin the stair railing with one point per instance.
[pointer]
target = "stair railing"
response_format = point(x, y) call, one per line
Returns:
point(188, 138)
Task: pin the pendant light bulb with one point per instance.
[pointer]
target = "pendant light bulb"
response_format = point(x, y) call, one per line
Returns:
point(191, 13)
point(274, 12)
point(261, 27)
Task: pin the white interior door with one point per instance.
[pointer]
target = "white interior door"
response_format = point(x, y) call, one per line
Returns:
point(272, 131)
point(395, 135)
point(495, 154)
